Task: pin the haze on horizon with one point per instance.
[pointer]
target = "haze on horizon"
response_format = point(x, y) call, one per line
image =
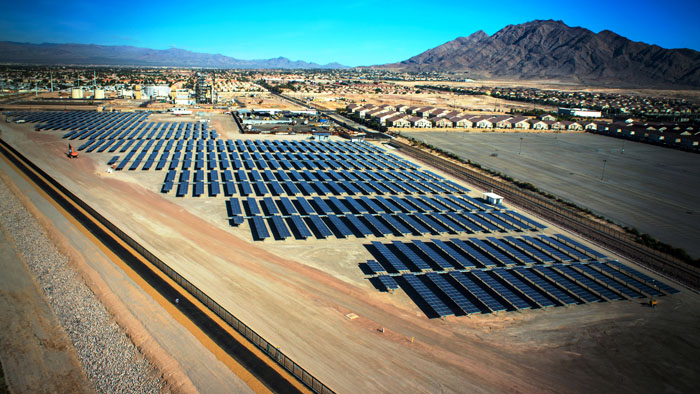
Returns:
point(352, 33)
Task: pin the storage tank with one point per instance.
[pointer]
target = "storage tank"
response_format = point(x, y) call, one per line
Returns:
point(76, 93)
point(99, 94)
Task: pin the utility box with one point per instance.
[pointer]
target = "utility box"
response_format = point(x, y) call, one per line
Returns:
point(493, 199)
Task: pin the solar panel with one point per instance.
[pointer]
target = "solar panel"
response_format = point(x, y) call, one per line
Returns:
point(515, 300)
point(257, 225)
point(287, 206)
point(496, 221)
point(413, 223)
point(357, 223)
point(297, 223)
point(322, 207)
point(525, 219)
point(252, 208)
point(464, 222)
point(529, 250)
point(340, 226)
point(377, 225)
point(229, 188)
point(395, 224)
point(339, 206)
point(390, 258)
point(411, 256)
point(428, 296)
point(513, 252)
point(545, 285)
point(388, 282)
point(523, 287)
point(280, 228)
point(182, 189)
point(478, 292)
point(321, 228)
point(433, 255)
point(645, 278)
point(493, 252)
point(463, 261)
point(570, 285)
point(608, 281)
point(269, 206)
point(546, 248)
point(481, 222)
point(590, 251)
point(473, 253)
point(452, 225)
point(564, 248)
point(428, 220)
point(588, 283)
point(452, 293)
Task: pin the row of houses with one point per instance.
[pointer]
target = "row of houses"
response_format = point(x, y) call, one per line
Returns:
point(403, 116)
point(686, 137)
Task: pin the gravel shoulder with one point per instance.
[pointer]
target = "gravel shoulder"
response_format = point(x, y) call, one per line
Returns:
point(109, 360)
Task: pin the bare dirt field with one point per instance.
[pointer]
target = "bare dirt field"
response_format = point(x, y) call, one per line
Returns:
point(296, 295)
point(651, 188)
point(476, 104)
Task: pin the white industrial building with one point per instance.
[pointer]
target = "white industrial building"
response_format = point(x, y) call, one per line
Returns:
point(151, 92)
point(581, 112)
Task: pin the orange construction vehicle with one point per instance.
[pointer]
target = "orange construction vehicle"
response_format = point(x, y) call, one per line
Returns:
point(72, 152)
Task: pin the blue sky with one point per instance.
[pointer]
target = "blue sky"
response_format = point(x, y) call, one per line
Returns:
point(349, 32)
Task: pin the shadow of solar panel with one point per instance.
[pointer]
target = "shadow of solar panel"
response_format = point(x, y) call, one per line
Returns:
point(259, 230)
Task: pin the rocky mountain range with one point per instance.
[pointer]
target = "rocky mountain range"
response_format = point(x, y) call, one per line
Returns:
point(551, 50)
point(106, 55)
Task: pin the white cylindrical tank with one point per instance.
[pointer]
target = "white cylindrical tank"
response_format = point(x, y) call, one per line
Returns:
point(99, 94)
point(76, 93)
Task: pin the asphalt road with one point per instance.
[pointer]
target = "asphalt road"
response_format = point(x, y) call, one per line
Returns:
point(650, 188)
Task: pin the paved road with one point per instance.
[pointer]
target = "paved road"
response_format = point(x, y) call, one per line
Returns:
point(651, 188)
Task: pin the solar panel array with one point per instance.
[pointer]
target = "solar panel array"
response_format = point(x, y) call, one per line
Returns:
point(468, 276)
point(354, 189)
point(302, 189)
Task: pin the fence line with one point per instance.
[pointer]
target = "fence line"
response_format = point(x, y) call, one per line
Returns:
point(271, 351)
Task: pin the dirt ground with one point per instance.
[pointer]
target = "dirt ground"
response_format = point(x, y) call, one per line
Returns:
point(31, 339)
point(296, 295)
point(481, 105)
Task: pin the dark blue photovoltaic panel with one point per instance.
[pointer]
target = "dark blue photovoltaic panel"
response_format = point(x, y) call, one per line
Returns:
point(357, 223)
point(545, 285)
point(229, 188)
point(395, 224)
point(388, 256)
point(388, 282)
point(452, 293)
point(588, 283)
point(493, 252)
point(340, 207)
point(371, 205)
point(321, 228)
point(498, 222)
point(257, 224)
point(473, 253)
point(564, 248)
point(182, 189)
point(513, 252)
point(590, 251)
point(411, 256)
point(388, 205)
point(322, 207)
point(608, 281)
point(478, 292)
point(481, 222)
point(301, 229)
point(520, 244)
point(464, 222)
point(413, 223)
point(252, 206)
point(645, 278)
point(355, 205)
point(269, 206)
point(377, 224)
point(280, 228)
point(571, 286)
point(525, 219)
point(340, 226)
point(546, 248)
point(376, 267)
point(234, 207)
point(433, 255)
point(454, 254)
point(287, 206)
point(515, 300)
point(246, 190)
point(428, 296)
point(524, 288)
point(452, 225)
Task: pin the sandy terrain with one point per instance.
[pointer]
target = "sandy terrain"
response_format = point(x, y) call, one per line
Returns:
point(296, 294)
point(470, 104)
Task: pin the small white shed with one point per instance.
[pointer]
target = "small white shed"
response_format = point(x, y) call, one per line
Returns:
point(493, 198)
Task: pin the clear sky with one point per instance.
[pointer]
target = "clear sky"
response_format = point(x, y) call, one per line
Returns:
point(349, 32)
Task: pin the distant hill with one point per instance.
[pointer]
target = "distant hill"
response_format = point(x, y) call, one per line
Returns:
point(106, 55)
point(551, 50)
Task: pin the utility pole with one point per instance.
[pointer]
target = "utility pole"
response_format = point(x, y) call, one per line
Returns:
point(521, 146)
point(51, 82)
point(603, 174)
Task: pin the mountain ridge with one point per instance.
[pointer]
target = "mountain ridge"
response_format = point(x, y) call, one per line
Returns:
point(548, 49)
point(126, 55)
